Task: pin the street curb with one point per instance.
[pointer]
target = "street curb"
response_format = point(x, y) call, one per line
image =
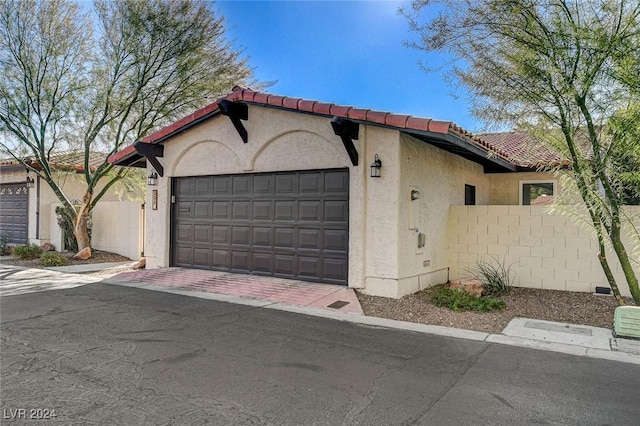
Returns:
point(458, 333)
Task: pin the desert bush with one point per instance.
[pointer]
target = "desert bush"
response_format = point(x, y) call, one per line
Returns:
point(458, 300)
point(4, 246)
point(495, 276)
point(53, 259)
point(27, 252)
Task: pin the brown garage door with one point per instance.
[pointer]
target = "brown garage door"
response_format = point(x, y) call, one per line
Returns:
point(14, 211)
point(286, 224)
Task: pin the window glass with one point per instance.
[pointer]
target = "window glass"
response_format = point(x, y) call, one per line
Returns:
point(537, 193)
point(469, 195)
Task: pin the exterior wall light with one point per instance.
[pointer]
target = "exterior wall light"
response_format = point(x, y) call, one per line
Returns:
point(30, 182)
point(375, 167)
point(152, 180)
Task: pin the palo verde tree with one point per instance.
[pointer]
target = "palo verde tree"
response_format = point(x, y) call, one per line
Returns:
point(82, 81)
point(566, 68)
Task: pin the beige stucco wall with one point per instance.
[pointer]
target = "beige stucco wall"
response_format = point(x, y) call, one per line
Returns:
point(42, 210)
point(117, 227)
point(505, 187)
point(280, 141)
point(440, 178)
point(545, 250)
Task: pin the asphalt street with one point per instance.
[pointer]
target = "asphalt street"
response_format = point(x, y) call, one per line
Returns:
point(113, 355)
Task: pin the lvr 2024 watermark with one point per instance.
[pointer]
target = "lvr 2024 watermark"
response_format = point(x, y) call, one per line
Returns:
point(28, 414)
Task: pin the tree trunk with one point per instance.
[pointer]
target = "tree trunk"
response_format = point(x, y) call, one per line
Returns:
point(80, 229)
point(625, 263)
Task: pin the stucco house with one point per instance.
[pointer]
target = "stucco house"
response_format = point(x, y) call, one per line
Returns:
point(386, 203)
point(27, 207)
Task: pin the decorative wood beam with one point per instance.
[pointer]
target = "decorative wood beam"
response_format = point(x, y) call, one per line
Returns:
point(236, 112)
point(348, 131)
point(151, 152)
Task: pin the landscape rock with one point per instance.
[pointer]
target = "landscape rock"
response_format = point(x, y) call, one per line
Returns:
point(140, 264)
point(48, 247)
point(83, 254)
point(469, 285)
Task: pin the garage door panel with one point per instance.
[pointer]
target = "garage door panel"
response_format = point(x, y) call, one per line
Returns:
point(263, 210)
point(335, 269)
point(284, 264)
point(285, 238)
point(14, 212)
point(241, 210)
point(311, 183)
point(309, 266)
point(202, 209)
point(262, 262)
point(286, 183)
point(185, 210)
point(310, 210)
point(240, 235)
point(336, 182)
point(336, 240)
point(220, 259)
point(263, 184)
point(202, 233)
point(222, 185)
point(240, 261)
point(185, 233)
point(310, 239)
point(201, 256)
point(221, 234)
point(202, 186)
point(222, 210)
point(285, 211)
point(184, 255)
point(336, 211)
point(284, 224)
point(241, 185)
point(262, 237)
point(185, 186)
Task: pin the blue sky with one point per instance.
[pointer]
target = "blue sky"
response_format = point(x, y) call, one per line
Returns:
point(345, 52)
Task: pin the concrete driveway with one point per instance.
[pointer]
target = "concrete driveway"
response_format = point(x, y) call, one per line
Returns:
point(106, 354)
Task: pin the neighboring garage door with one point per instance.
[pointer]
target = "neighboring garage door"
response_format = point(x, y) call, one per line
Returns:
point(286, 224)
point(14, 212)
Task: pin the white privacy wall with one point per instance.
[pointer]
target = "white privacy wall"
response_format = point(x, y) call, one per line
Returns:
point(117, 228)
point(547, 251)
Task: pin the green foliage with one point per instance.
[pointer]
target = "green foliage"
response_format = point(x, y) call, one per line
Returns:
point(4, 246)
point(66, 225)
point(53, 259)
point(495, 276)
point(27, 252)
point(458, 300)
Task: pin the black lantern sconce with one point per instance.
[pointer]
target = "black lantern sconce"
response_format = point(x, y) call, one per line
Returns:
point(30, 182)
point(152, 180)
point(376, 166)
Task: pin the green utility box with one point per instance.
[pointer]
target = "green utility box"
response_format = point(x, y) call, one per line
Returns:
point(626, 322)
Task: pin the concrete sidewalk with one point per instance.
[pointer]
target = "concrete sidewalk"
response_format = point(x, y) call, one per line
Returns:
point(304, 298)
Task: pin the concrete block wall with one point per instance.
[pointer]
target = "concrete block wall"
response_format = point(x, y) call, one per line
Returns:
point(545, 250)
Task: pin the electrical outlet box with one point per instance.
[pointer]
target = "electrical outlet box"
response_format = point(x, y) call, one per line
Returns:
point(421, 240)
point(426, 263)
point(626, 321)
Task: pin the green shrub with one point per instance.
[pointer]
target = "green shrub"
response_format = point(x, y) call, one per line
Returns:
point(53, 259)
point(495, 276)
point(4, 246)
point(27, 252)
point(458, 300)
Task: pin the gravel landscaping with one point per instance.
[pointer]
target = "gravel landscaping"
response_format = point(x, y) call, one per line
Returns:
point(97, 256)
point(550, 305)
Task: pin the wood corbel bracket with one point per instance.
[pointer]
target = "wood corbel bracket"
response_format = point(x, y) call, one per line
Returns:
point(348, 132)
point(236, 112)
point(151, 152)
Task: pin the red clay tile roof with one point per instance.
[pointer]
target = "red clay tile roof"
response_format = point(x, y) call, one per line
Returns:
point(506, 151)
point(71, 161)
point(522, 148)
